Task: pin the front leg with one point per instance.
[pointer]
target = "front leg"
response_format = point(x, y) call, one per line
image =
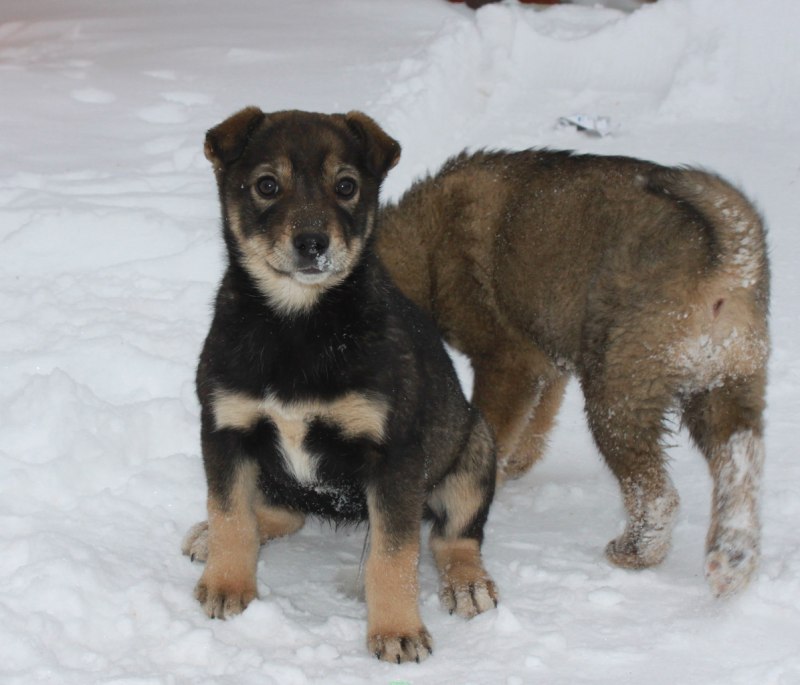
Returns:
point(228, 583)
point(395, 631)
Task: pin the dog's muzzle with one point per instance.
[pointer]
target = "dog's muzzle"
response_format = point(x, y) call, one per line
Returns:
point(311, 253)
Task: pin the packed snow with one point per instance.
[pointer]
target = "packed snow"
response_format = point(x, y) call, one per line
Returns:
point(111, 254)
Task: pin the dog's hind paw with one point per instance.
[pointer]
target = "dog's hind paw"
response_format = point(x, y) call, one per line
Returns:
point(468, 600)
point(195, 542)
point(731, 562)
point(400, 648)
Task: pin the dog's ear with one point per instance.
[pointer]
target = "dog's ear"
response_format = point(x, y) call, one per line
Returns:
point(226, 141)
point(383, 151)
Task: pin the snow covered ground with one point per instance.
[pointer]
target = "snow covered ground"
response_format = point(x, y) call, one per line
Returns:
point(109, 256)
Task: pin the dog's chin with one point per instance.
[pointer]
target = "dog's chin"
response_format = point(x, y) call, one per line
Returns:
point(313, 276)
point(299, 291)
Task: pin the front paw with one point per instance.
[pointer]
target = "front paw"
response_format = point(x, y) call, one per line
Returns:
point(221, 599)
point(469, 599)
point(413, 646)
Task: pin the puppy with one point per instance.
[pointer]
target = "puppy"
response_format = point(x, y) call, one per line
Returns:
point(650, 284)
point(325, 391)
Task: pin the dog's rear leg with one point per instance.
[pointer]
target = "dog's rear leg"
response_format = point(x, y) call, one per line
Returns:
point(519, 392)
point(626, 420)
point(273, 522)
point(726, 424)
point(533, 441)
point(460, 505)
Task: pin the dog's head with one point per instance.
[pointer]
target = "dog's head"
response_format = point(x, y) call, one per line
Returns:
point(299, 195)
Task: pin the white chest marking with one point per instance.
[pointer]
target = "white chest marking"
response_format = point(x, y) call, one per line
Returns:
point(355, 414)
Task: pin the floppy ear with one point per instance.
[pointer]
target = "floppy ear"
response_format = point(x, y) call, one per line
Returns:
point(383, 151)
point(226, 141)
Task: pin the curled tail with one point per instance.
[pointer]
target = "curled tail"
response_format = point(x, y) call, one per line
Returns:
point(726, 333)
point(736, 227)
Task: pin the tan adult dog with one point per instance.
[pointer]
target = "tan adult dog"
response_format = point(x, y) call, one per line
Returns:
point(649, 283)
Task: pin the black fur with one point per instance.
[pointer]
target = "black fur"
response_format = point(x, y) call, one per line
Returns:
point(362, 335)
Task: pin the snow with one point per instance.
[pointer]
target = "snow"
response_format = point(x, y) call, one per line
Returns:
point(111, 255)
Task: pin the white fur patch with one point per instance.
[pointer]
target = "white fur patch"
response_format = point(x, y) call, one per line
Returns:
point(731, 344)
point(734, 537)
point(709, 359)
point(290, 294)
point(356, 415)
point(739, 480)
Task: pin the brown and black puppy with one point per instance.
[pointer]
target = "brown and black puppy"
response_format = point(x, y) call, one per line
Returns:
point(324, 391)
point(649, 283)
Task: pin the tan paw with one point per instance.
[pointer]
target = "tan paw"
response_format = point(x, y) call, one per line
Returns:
point(223, 600)
point(648, 535)
point(195, 542)
point(731, 562)
point(416, 646)
point(469, 599)
point(515, 466)
point(637, 551)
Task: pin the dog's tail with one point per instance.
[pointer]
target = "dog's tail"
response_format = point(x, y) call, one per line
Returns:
point(737, 230)
point(732, 301)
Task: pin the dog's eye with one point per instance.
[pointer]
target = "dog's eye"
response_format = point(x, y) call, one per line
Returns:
point(267, 186)
point(346, 188)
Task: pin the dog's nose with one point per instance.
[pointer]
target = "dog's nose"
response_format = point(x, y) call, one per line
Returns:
point(311, 244)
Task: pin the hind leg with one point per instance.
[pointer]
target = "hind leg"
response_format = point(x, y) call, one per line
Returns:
point(517, 389)
point(533, 440)
point(626, 418)
point(460, 505)
point(726, 423)
point(273, 522)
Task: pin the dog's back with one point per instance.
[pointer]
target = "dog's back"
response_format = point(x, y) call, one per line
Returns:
point(526, 238)
point(650, 283)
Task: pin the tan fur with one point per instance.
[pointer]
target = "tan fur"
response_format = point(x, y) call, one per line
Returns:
point(271, 259)
point(394, 628)
point(276, 522)
point(466, 588)
point(355, 414)
point(228, 583)
point(273, 522)
point(650, 284)
point(519, 392)
point(459, 497)
point(532, 442)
